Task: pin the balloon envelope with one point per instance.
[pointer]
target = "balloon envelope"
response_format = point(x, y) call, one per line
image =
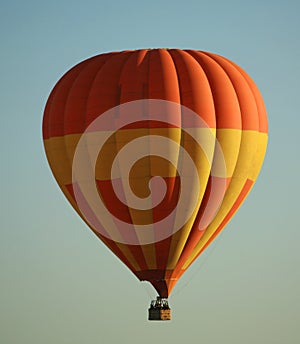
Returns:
point(156, 150)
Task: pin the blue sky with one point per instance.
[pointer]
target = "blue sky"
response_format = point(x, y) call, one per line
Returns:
point(58, 283)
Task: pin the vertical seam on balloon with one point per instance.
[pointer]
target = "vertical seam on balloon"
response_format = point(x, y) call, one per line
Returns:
point(146, 96)
point(63, 135)
point(138, 247)
point(238, 101)
point(57, 87)
point(241, 73)
point(151, 58)
point(85, 66)
point(244, 77)
point(238, 157)
point(197, 56)
point(241, 117)
point(172, 53)
point(118, 103)
point(206, 69)
point(151, 62)
point(190, 53)
point(254, 90)
point(169, 239)
point(86, 102)
point(52, 95)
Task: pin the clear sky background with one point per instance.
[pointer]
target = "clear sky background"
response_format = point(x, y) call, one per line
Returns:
point(58, 283)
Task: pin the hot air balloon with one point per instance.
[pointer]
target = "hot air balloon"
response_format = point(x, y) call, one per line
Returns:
point(156, 149)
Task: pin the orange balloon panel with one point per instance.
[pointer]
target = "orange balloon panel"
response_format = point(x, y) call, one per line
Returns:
point(156, 150)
